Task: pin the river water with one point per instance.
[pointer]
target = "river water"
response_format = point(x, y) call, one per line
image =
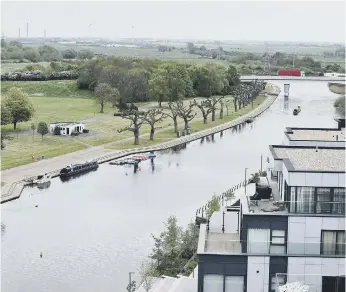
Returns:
point(96, 228)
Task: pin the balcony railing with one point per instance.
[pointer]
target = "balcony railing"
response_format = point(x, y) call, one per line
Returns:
point(266, 247)
point(297, 207)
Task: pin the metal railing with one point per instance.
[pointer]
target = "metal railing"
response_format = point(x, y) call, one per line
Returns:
point(297, 207)
point(273, 248)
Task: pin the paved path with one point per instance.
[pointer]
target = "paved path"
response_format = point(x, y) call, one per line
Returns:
point(53, 165)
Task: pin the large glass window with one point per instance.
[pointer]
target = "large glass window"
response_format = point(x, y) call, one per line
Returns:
point(277, 242)
point(305, 199)
point(234, 284)
point(213, 283)
point(323, 200)
point(333, 242)
point(339, 201)
point(258, 241)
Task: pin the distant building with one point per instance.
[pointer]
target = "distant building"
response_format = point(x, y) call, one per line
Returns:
point(67, 128)
point(293, 229)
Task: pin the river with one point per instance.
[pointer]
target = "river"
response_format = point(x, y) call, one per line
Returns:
point(96, 228)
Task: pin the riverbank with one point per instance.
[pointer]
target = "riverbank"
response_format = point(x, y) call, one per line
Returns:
point(101, 154)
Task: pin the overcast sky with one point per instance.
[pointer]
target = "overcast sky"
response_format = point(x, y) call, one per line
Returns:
point(232, 20)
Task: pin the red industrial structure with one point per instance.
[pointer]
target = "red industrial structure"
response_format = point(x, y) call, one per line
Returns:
point(290, 73)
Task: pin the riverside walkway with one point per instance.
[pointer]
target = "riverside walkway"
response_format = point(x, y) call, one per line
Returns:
point(15, 177)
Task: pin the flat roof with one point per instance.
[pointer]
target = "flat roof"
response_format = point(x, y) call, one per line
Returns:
point(315, 134)
point(321, 159)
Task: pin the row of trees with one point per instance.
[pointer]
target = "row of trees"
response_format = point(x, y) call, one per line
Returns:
point(143, 80)
point(243, 94)
point(14, 50)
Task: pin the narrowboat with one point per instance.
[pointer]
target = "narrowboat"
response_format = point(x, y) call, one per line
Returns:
point(74, 169)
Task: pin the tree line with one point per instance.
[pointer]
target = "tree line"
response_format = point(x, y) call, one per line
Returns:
point(124, 82)
point(14, 50)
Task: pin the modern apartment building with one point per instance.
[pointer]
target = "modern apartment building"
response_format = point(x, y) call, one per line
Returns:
point(295, 234)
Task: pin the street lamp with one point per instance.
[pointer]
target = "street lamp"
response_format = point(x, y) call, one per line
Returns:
point(245, 180)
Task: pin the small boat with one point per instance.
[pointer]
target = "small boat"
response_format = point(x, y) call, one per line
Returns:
point(42, 179)
point(296, 111)
point(249, 120)
point(127, 161)
point(74, 169)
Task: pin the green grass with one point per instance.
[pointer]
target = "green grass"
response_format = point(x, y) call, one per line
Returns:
point(55, 109)
point(19, 151)
point(52, 88)
point(196, 126)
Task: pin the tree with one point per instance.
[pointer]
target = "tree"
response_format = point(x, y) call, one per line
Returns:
point(157, 252)
point(105, 93)
point(293, 287)
point(152, 117)
point(191, 48)
point(186, 112)
point(158, 86)
point(213, 206)
point(20, 107)
point(33, 128)
point(189, 241)
point(69, 54)
point(85, 54)
point(204, 108)
point(42, 129)
point(5, 115)
point(137, 119)
point(339, 105)
point(174, 114)
point(147, 273)
point(171, 236)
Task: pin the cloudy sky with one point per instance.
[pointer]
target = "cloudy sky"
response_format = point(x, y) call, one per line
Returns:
point(322, 21)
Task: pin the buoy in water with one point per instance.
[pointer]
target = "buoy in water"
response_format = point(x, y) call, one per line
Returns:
point(36, 206)
point(41, 255)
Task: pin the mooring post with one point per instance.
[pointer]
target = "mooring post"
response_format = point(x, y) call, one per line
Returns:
point(223, 221)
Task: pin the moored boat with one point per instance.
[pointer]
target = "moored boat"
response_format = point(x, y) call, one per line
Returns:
point(74, 169)
point(42, 179)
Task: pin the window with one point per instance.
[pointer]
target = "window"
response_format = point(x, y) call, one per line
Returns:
point(213, 283)
point(293, 199)
point(234, 284)
point(305, 199)
point(339, 201)
point(277, 242)
point(258, 241)
point(323, 195)
point(333, 242)
point(276, 281)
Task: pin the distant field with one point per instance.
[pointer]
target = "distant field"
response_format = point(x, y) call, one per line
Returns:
point(55, 88)
point(12, 67)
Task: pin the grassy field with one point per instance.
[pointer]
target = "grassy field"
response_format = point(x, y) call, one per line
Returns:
point(20, 149)
point(54, 88)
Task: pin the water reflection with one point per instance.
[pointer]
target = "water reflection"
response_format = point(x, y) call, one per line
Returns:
point(95, 229)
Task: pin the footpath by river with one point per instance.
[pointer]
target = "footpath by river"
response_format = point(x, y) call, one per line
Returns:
point(96, 228)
